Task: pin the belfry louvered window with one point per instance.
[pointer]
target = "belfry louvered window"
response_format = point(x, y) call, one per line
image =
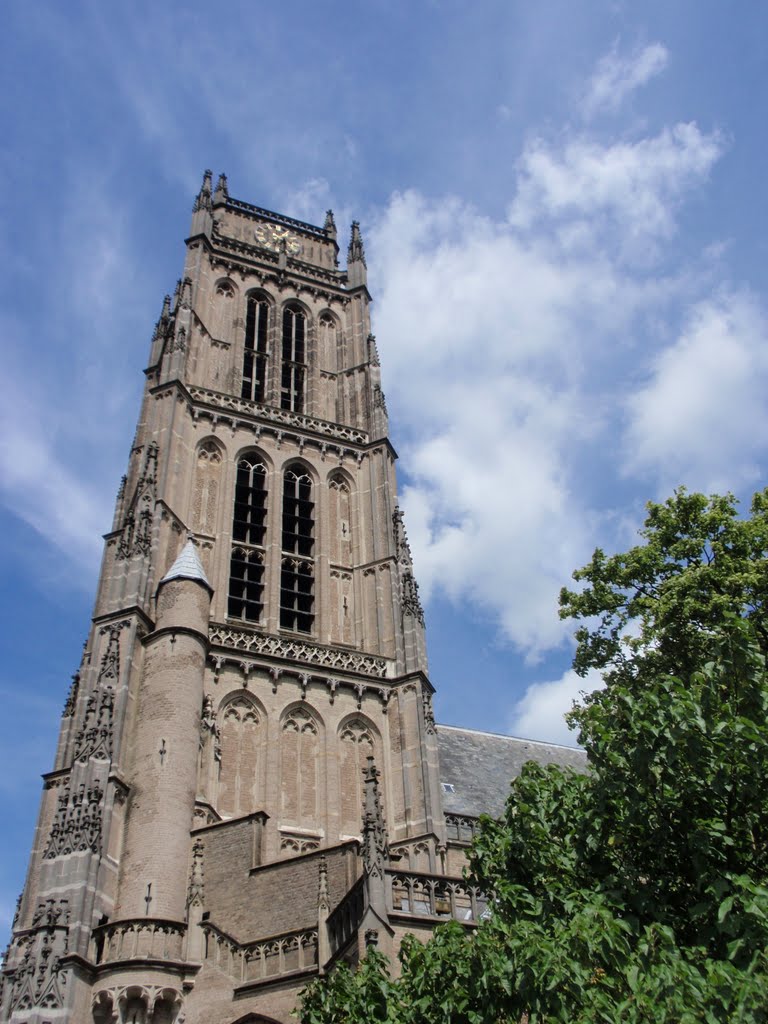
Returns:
point(249, 527)
point(294, 364)
point(297, 575)
point(255, 354)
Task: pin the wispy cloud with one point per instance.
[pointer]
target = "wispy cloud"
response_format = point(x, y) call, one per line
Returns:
point(623, 194)
point(617, 75)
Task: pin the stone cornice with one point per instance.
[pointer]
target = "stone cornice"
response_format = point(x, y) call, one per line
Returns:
point(258, 213)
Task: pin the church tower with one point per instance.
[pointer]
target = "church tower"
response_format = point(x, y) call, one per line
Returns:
point(250, 735)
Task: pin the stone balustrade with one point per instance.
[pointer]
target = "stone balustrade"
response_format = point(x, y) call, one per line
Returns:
point(277, 955)
point(461, 828)
point(421, 895)
point(142, 938)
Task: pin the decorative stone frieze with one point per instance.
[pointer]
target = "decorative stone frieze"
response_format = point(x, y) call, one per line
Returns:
point(298, 650)
point(246, 407)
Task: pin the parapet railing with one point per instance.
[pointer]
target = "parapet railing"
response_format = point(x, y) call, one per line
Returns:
point(272, 957)
point(138, 938)
point(421, 895)
point(461, 828)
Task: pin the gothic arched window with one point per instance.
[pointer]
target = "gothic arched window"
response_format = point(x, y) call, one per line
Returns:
point(297, 576)
point(240, 739)
point(255, 354)
point(206, 493)
point(249, 526)
point(299, 760)
point(294, 365)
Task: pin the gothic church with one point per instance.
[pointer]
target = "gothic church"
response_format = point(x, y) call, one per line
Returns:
point(249, 782)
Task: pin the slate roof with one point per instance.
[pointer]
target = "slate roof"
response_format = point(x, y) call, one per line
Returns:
point(188, 567)
point(480, 766)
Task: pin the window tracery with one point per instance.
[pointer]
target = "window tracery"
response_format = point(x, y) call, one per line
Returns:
point(256, 350)
point(299, 766)
point(240, 741)
point(293, 374)
point(297, 567)
point(246, 573)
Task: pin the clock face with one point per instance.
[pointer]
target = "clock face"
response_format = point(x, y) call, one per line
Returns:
point(271, 235)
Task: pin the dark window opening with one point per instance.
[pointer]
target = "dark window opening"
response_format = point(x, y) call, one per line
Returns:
point(249, 526)
point(246, 585)
point(296, 595)
point(255, 355)
point(297, 573)
point(293, 373)
point(250, 518)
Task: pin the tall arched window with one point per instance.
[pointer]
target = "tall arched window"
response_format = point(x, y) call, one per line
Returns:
point(297, 577)
point(294, 367)
point(240, 748)
point(255, 355)
point(299, 763)
point(249, 527)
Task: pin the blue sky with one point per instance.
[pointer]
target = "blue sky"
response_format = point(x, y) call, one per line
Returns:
point(564, 211)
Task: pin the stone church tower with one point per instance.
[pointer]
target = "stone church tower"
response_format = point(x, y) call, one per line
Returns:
point(247, 784)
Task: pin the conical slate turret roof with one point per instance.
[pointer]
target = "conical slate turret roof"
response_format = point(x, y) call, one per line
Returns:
point(188, 567)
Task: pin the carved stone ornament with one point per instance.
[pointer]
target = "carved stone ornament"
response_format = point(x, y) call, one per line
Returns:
point(429, 715)
point(136, 535)
point(374, 829)
point(77, 822)
point(94, 737)
point(298, 650)
point(32, 964)
point(196, 890)
point(71, 702)
point(110, 661)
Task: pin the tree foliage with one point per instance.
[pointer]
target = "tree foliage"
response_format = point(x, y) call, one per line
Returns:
point(637, 892)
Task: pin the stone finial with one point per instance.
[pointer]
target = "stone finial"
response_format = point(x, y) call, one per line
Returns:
point(356, 250)
point(330, 225)
point(323, 897)
point(221, 195)
point(203, 198)
point(374, 829)
point(161, 326)
point(373, 351)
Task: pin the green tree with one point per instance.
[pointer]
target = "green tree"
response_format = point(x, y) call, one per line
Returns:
point(638, 891)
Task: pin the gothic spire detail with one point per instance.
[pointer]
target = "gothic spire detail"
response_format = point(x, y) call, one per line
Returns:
point(222, 192)
point(329, 227)
point(374, 829)
point(356, 250)
point(203, 199)
point(373, 351)
point(323, 896)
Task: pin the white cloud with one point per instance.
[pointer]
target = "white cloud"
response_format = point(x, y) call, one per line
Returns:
point(540, 711)
point(616, 77)
point(624, 195)
point(503, 367)
point(702, 418)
